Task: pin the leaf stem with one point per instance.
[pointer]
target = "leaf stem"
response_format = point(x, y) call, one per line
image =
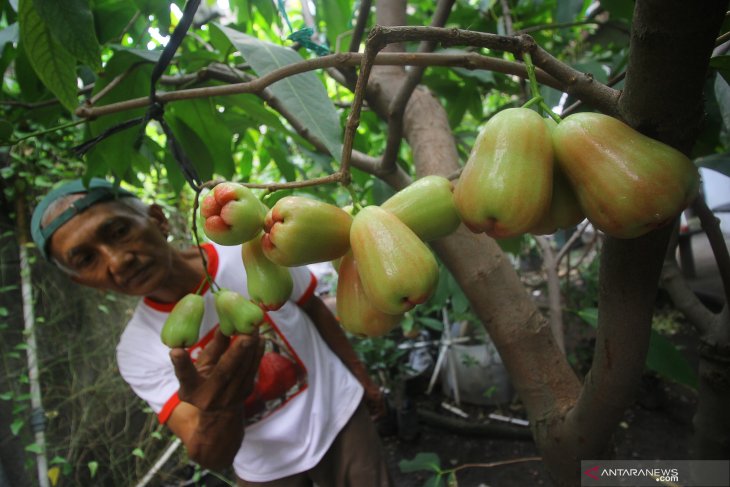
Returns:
point(46, 131)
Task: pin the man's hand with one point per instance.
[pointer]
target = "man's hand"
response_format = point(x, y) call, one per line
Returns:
point(374, 400)
point(210, 418)
point(223, 375)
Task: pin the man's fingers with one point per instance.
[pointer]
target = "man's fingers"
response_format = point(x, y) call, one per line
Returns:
point(213, 350)
point(238, 366)
point(185, 370)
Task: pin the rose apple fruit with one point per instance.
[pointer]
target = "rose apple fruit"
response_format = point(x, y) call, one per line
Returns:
point(397, 269)
point(182, 326)
point(236, 314)
point(427, 207)
point(506, 184)
point(626, 183)
point(269, 284)
point(300, 231)
point(232, 213)
point(355, 312)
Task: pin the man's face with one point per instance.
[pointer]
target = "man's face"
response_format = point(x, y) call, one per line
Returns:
point(112, 246)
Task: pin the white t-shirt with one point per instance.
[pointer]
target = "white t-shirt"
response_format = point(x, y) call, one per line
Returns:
point(293, 418)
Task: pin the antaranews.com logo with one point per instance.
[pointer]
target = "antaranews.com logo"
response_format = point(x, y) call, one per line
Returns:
point(687, 473)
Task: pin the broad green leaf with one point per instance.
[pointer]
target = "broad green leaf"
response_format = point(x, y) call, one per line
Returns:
point(422, 461)
point(111, 18)
point(195, 149)
point(31, 87)
point(80, 39)
point(254, 107)
point(664, 359)
point(568, 10)
point(116, 153)
point(160, 9)
point(142, 54)
point(52, 63)
point(338, 16)
point(716, 162)
point(303, 95)
point(201, 117)
point(277, 150)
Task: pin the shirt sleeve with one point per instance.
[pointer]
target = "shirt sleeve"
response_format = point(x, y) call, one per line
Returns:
point(305, 283)
point(145, 365)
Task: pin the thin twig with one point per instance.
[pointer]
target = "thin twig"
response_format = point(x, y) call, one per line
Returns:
point(497, 464)
point(114, 83)
point(573, 238)
point(711, 226)
point(359, 29)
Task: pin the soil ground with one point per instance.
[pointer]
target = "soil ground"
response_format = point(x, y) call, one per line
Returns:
point(657, 426)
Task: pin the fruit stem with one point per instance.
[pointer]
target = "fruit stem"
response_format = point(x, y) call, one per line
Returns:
point(535, 90)
point(532, 101)
point(356, 207)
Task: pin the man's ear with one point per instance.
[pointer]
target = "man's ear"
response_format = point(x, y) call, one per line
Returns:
point(156, 213)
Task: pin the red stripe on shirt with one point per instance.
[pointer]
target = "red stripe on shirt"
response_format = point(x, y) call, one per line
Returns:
point(310, 290)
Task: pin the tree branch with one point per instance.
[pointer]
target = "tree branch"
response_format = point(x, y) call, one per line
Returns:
point(362, 17)
point(398, 104)
point(255, 85)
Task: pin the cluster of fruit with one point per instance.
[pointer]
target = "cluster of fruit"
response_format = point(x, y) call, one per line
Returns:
point(525, 174)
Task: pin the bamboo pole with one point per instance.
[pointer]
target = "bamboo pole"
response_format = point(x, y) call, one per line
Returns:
point(37, 413)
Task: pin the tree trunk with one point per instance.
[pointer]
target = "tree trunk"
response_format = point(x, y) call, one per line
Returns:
point(572, 422)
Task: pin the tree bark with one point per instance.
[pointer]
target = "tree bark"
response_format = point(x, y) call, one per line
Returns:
point(572, 422)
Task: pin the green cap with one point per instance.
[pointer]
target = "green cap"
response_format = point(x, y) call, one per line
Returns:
point(97, 190)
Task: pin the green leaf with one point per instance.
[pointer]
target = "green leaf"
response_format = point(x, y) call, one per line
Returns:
point(160, 9)
point(716, 162)
point(201, 117)
point(666, 360)
point(52, 63)
point(422, 461)
point(16, 426)
point(197, 151)
point(79, 40)
point(303, 95)
point(34, 448)
point(93, 466)
point(111, 17)
point(589, 315)
point(116, 153)
point(338, 17)
point(137, 452)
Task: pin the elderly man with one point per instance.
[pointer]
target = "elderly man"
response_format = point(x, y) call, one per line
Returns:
point(284, 407)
